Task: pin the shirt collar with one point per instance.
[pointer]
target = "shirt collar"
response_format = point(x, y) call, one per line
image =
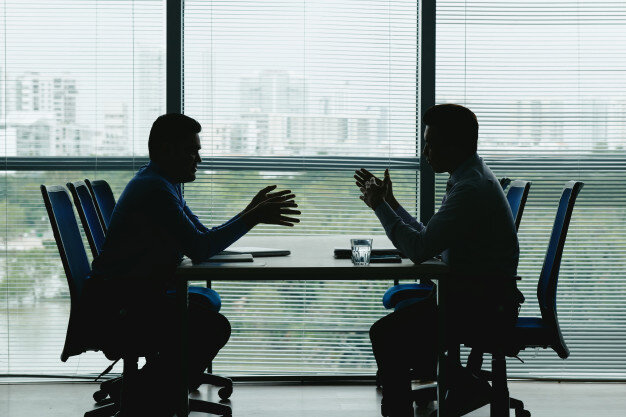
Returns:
point(153, 166)
point(461, 169)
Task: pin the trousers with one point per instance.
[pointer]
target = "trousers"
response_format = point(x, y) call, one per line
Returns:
point(405, 347)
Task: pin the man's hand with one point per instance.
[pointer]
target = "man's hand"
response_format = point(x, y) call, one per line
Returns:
point(264, 194)
point(362, 176)
point(273, 210)
point(374, 194)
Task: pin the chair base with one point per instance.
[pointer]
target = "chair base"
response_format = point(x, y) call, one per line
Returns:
point(226, 384)
point(210, 408)
point(110, 389)
point(117, 399)
point(113, 409)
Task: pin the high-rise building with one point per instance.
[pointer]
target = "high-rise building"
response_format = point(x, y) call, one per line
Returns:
point(273, 92)
point(149, 100)
point(116, 140)
point(41, 116)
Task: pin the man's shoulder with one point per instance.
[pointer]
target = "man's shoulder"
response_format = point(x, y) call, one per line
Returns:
point(477, 186)
point(150, 181)
point(144, 186)
point(470, 183)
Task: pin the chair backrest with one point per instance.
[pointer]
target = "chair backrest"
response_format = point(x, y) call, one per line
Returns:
point(517, 196)
point(105, 201)
point(73, 256)
point(88, 215)
point(548, 280)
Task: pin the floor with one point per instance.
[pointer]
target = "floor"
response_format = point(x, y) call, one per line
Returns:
point(294, 400)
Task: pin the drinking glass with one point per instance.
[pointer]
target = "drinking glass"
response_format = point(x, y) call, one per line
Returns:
point(361, 251)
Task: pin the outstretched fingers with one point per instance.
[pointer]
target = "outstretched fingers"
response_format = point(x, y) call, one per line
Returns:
point(288, 219)
point(279, 194)
point(289, 211)
point(281, 198)
point(267, 189)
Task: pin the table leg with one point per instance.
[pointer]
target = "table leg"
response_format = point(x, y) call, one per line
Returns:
point(209, 368)
point(182, 387)
point(442, 362)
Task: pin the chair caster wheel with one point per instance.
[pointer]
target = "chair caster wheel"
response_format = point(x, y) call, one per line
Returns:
point(100, 395)
point(225, 392)
point(522, 413)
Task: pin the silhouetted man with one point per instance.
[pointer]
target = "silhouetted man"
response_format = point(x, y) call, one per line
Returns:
point(475, 235)
point(151, 229)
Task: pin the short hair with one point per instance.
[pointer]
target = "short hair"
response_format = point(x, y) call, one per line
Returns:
point(457, 123)
point(170, 127)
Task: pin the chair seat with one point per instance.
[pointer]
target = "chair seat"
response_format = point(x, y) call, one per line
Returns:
point(529, 332)
point(215, 302)
point(403, 292)
point(533, 332)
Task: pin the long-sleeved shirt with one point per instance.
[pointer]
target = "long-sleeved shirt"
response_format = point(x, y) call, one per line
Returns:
point(473, 230)
point(152, 228)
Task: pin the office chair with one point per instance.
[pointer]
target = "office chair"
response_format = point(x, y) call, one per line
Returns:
point(76, 266)
point(105, 201)
point(80, 337)
point(403, 294)
point(543, 332)
point(87, 208)
point(88, 214)
point(535, 332)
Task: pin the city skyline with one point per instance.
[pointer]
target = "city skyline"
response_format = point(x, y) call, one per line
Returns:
point(273, 116)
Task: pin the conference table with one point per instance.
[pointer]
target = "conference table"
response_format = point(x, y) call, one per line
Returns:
point(311, 258)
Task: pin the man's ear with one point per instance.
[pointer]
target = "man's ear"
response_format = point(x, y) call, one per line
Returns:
point(165, 149)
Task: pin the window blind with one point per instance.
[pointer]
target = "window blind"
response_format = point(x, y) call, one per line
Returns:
point(80, 84)
point(546, 81)
point(300, 94)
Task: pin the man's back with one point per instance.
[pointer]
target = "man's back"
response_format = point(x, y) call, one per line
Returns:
point(483, 240)
point(137, 246)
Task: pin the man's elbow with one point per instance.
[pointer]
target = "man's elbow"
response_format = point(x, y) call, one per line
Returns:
point(199, 253)
point(418, 259)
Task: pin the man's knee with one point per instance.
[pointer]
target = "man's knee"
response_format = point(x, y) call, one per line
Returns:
point(223, 328)
point(214, 325)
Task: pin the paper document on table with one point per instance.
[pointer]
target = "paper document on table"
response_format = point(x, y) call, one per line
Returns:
point(236, 257)
point(256, 252)
point(346, 253)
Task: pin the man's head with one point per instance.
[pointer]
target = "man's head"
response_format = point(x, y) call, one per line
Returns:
point(451, 136)
point(174, 145)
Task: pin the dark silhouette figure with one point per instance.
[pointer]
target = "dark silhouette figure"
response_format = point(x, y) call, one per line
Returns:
point(475, 234)
point(150, 230)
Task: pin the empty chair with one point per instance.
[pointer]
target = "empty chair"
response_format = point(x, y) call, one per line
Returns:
point(88, 214)
point(105, 201)
point(75, 263)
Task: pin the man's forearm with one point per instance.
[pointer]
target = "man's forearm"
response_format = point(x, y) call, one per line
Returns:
point(393, 203)
point(220, 239)
point(404, 237)
point(408, 219)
